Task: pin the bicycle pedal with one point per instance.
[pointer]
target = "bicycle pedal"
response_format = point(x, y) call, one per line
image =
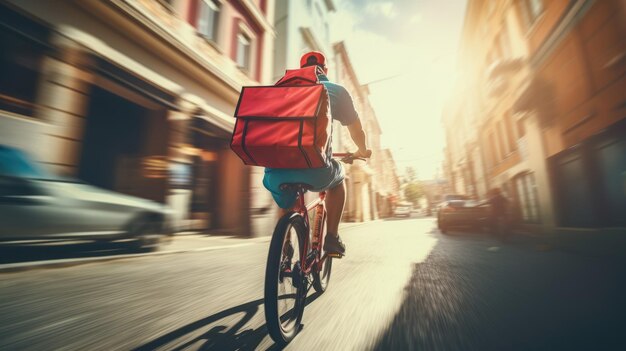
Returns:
point(334, 255)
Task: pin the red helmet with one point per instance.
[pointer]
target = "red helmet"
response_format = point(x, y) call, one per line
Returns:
point(313, 58)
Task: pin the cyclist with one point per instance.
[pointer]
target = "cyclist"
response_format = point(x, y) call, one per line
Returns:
point(329, 178)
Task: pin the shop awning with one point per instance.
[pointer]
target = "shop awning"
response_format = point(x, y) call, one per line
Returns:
point(222, 123)
point(125, 70)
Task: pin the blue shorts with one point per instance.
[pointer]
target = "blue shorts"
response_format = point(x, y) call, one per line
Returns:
point(319, 179)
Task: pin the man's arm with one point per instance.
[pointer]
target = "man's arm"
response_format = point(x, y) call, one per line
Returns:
point(358, 136)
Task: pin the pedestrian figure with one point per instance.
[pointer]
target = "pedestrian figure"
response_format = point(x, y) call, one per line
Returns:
point(499, 209)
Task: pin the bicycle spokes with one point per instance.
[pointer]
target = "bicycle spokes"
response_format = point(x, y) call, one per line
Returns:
point(290, 279)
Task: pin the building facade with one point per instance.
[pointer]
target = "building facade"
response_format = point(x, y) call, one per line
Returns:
point(301, 26)
point(362, 178)
point(137, 96)
point(388, 181)
point(549, 84)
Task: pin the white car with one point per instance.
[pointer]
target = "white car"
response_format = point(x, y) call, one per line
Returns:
point(36, 205)
point(402, 211)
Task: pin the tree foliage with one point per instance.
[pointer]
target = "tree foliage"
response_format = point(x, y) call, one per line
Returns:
point(413, 192)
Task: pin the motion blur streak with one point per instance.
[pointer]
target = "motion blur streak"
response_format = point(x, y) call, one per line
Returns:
point(210, 300)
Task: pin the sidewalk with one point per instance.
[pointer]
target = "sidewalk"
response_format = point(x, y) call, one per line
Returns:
point(594, 241)
point(178, 243)
point(587, 241)
point(67, 255)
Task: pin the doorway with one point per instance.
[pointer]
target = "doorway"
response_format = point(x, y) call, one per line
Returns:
point(114, 143)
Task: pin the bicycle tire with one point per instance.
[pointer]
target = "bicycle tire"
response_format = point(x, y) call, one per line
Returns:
point(320, 281)
point(321, 278)
point(273, 270)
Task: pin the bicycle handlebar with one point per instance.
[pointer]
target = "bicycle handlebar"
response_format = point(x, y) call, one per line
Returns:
point(348, 157)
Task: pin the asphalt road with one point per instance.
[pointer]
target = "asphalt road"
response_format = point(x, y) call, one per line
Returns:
point(402, 286)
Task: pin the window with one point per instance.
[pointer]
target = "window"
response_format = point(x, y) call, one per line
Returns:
point(243, 51)
point(502, 140)
point(208, 16)
point(20, 61)
point(527, 190)
point(536, 6)
point(493, 152)
point(509, 132)
point(531, 9)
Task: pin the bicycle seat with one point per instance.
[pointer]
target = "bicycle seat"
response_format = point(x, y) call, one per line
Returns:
point(295, 187)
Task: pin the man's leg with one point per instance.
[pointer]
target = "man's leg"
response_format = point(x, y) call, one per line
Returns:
point(335, 201)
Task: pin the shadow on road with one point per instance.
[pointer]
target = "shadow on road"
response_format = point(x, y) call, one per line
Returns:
point(220, 337)
point(466, 297)
point(13, 253)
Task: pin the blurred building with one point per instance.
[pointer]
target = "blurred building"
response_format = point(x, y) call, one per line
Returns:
point(434, 192)
point(388, 181)
point(301, 26)
point(463, 160)
point(137, 96)
point(548, 86)
point(362, 178)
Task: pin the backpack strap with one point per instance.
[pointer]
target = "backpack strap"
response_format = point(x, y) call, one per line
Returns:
point(302, 76)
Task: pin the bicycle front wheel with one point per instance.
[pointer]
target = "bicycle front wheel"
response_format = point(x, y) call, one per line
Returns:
point(285, 285)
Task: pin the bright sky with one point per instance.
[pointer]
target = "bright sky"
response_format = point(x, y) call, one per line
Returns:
point(418, 40)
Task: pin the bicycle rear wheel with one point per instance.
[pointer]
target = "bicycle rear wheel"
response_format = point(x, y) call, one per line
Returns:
point(321, 278)
point(285, 285)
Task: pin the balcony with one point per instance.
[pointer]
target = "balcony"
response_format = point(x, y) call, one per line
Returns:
point(505, 75)
point(522, 147)
point(510, 160)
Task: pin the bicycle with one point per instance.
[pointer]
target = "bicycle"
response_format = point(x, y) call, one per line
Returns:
point(288, 277)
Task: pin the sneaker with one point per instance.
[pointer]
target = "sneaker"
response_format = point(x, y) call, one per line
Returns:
point(334, 245)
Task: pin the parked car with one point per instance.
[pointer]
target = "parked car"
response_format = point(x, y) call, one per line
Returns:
point(36, 205)
point(460, 211)
point(402, 210)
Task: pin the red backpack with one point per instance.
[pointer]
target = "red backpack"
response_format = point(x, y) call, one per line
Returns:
point(287, 125)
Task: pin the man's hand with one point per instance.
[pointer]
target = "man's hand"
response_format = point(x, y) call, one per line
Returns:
point(367, 153)
point(358, 136)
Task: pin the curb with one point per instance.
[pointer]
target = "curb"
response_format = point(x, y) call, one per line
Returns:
point(69, 262)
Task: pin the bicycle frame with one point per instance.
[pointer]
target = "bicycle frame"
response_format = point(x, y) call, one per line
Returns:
point(316, 261)
point(308, 261)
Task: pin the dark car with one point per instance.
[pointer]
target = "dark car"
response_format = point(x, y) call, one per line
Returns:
point(37, 205)
point(461, 211)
